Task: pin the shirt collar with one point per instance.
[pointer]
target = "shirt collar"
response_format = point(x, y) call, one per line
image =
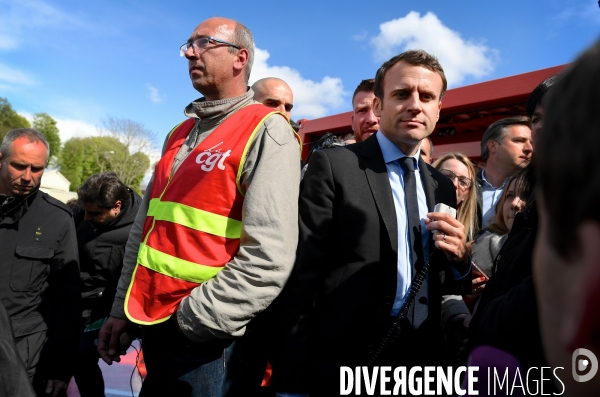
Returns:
point(391, 152)
point(485, 182)
point(209, 110)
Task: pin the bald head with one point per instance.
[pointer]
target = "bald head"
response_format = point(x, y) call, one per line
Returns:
point(274, 93)
point(220, 66)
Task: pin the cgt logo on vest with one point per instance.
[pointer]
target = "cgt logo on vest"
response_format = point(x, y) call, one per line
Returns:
point(209, 159)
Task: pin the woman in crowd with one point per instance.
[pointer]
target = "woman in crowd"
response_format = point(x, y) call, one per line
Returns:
point(459, 169)
point(489, 240)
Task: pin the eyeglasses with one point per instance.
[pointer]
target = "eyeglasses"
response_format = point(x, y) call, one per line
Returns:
point(463, 181)
point(202, 43)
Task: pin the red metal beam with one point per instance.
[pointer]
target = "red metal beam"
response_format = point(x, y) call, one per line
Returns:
point(468, 110)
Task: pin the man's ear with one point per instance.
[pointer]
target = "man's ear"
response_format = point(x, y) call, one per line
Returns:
point(0, 161)
point(118, 206)
point(439, 110)
point(586, 326)
point(491, 145)
point(377, 105)
point(241, 59)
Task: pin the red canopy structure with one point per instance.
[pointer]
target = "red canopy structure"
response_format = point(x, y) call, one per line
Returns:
point(466, 113)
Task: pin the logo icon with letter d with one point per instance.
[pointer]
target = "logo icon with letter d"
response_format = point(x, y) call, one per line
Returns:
point(581, 364)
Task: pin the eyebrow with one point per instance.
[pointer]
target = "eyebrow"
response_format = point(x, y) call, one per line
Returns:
point(424, 91)
point(364, 105)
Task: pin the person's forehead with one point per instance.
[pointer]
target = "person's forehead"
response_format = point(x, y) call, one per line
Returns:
point(217, 27)
point(363, 98)
point(455, 165)
point(403, 72)
point(23, 147)
point(276, 89)
point(517, 130)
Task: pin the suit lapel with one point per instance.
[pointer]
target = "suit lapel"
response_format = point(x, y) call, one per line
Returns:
point(429, 185)
point(379, 183)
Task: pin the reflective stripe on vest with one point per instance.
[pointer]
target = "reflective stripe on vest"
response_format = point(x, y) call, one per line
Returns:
point(194, 220)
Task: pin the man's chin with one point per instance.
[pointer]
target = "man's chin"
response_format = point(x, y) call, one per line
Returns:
point(366, 135)
point(22, 191)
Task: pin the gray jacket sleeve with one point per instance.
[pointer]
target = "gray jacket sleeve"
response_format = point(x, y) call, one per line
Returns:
point(130, 257)
point(222, 306)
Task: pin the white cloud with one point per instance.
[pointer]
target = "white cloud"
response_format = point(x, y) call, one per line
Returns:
point(361, 36)
point(311, 99)
point(71, 128)
point(21, 16)
point(153, 94)
point(14, 76)
point(68, 128)
point(587, 12)
point(459, 57)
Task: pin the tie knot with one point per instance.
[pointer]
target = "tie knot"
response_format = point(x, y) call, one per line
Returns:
point(407, 164)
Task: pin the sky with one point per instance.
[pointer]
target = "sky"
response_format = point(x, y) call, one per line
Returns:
point(84, 61)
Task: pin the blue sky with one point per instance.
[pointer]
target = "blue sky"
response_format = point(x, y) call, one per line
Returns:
point(82, 61)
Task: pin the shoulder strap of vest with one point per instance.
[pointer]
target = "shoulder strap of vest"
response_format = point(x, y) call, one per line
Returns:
point(238, 178)
point(187, 125)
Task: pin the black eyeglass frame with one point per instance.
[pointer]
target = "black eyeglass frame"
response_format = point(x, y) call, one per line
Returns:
point(462, 180)
point(208, 39)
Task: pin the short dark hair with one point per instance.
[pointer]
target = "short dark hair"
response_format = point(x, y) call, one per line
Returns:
point(498, 130)
point(30, 133)
point(430, 146)
point(570, 186)
point(104, 190)
point(364, 86)
point(537, 95)
point(416, 58)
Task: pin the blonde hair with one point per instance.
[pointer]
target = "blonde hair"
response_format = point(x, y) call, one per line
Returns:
point(467, 209)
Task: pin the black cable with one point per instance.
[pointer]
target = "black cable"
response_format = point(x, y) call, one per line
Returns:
point(412, 293)
point(135, 367)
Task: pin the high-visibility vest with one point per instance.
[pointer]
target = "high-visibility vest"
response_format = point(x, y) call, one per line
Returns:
point(194, 219)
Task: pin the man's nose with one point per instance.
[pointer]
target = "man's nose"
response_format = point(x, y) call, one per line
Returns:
point(190, 52)
point(372, 119)
point(26, 175)
point(413, 103)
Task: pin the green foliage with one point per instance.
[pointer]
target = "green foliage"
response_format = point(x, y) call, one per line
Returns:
point(47, 126)
point(83, 157)
point(9, 119)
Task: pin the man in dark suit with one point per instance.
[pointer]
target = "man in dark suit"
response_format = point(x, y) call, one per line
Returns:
point(365, 232)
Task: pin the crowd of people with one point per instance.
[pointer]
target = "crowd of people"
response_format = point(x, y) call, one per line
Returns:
point(233, 261)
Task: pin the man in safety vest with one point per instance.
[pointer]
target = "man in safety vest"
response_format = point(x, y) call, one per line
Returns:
point(215, 238)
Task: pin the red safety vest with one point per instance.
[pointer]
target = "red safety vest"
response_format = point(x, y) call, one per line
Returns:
point(194, 221)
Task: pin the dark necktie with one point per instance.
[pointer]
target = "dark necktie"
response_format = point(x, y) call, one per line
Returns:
point(415, 317)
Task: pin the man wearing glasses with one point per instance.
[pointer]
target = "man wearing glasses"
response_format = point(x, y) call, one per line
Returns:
point(214, 240)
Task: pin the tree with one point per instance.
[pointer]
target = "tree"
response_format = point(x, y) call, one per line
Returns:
point(132, 163)
point(123, 147)
point(9, 119)
point(47, 126)
point(75, 164)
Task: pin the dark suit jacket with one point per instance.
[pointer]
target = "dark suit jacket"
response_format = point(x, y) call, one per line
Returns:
point(479, 192)
point(337, 303)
